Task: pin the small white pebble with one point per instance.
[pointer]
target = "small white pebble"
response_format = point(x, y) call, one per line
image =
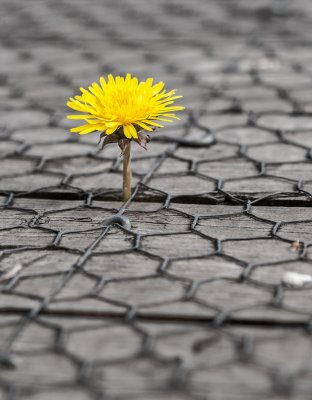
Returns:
point(296, 280)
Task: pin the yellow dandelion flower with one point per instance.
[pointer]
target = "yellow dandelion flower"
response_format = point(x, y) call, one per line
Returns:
point(123, 104)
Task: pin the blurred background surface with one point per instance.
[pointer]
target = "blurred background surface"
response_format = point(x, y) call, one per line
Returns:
point(191, 302)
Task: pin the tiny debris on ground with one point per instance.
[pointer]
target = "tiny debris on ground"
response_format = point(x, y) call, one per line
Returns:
point(10, 273)
point(296, 280)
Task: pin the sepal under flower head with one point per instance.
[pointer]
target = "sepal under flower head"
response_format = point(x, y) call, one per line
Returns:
point(118, 137)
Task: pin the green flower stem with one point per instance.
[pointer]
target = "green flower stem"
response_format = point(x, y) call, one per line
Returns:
point(127, 175)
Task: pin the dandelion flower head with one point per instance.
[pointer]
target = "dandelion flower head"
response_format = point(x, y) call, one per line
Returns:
point(123, 103)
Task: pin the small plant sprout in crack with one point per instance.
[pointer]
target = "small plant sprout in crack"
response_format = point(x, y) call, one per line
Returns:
point(121, 109)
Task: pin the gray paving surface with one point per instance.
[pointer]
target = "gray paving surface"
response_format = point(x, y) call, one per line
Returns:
point(188, 302)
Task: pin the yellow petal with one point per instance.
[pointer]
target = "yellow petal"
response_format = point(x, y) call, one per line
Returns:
point(144, 126)
point(133, 131)
point(118, 101)
point(127, 132)
point(109, 131)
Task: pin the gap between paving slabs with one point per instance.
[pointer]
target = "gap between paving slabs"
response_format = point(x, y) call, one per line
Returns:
point(132, 314)
point(130, 317)
point(35, 311)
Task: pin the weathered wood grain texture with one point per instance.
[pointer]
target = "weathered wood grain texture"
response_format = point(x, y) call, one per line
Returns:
point(196, 281)
point(211, 358)
point(232, 153)
point(244, 71)
point(247, 179)
point(61, 393)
